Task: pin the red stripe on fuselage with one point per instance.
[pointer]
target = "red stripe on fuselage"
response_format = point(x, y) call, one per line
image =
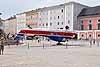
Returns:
point(47, 33)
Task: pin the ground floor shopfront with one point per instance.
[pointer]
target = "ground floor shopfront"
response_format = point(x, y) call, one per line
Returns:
point(89, 34)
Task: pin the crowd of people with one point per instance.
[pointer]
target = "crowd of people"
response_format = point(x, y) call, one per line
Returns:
point(3, 41)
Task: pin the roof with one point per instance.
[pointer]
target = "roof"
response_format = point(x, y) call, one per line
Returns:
point(61, 5)
point(90, 11)
point(12, 17)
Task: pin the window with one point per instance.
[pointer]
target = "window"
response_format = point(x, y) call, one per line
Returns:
point(50, 18)
point(29, 37)
point(98, 26)
point(47, 13)
point(43, 24)
point(90, 35)
point(58, 23)
point(99, 20)
point(46, 24)
point(31, 17)
point(82, 22)
point(61, 28)
point(62, 11)
point(82, 35)
point(98, 35)
point(82, 27)
point(89, 21)
point(58, 17)
point(68, 22)
point(50, 24)
point(62, 23)
point(90, 26)
point(40, 19)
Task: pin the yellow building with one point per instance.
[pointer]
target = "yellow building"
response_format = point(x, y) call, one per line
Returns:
point(32, 19)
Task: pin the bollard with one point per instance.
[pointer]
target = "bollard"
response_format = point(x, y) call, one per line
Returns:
point(66, 45)
point(43, 46)
point(28, 46)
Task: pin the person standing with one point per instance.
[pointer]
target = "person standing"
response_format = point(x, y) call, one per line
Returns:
point(2, 46)
point(0, 49)
point(17, 42)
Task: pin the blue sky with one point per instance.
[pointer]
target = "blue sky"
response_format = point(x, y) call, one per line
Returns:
point(11, 7)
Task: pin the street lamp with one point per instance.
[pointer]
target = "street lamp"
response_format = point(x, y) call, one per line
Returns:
point(67, 27)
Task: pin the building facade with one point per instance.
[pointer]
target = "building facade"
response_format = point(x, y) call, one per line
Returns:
point(72, 14)
point(80, 18)
point(59, 16)
point(32, 19)
point(10, 25)
point(43, 18)
point(6, 26)
point(21, 21)
point(1, 24)
point(89, 23)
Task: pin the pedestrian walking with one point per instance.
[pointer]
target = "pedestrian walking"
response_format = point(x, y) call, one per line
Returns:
point(17, 42)
point(90, 43)
point(97, 43)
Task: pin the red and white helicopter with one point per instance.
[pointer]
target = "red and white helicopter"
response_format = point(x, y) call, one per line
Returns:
point(58, 36)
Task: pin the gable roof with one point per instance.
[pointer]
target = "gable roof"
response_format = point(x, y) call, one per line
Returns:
point(90, 11)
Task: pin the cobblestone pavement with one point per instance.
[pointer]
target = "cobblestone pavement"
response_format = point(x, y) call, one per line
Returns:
point(55, 56)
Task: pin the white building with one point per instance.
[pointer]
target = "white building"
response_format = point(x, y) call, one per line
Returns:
point(10, 25)
point(2, 24)
point(6, 26)
point(59, 16)
point(32, 18)
point(43, 18)
point(21, 21)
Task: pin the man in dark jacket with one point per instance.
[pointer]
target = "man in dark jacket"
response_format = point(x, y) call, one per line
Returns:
point(2, 46)
point(1, 49)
